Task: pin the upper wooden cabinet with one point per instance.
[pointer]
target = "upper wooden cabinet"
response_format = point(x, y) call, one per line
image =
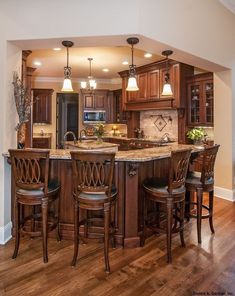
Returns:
point(99, 100)
point(151, 79)
point(42, 105)
point(200, 100)
point(95, 100)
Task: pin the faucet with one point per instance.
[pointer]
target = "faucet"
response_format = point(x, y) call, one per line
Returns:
point(82, 134)
point(70, 133)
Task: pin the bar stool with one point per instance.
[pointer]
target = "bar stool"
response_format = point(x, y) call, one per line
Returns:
point(200, 182)
point(93, 191)
point(32, 188)
point(168, 192)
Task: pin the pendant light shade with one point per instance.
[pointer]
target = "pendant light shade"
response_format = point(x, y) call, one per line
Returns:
point(89, 85)
point(132, 82)
point(67, 84)
point(167, 91)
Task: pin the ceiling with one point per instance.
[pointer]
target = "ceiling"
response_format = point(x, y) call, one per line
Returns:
point(111, 58)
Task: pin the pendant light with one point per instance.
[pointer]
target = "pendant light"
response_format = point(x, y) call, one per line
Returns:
point(67, 85)
point(132, 82)
point(167, 91)
point(91, 84)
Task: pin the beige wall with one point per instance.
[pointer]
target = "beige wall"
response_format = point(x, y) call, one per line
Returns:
point(200, 32)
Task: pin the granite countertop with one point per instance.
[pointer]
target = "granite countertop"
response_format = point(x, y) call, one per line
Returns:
point(141, 155)
point(92, 145)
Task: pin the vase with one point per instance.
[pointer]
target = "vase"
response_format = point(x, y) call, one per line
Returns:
point(198, 142)
point(99, 139)
point(21, 136)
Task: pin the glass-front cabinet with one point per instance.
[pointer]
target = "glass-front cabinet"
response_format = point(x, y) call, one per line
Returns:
point(200, 100)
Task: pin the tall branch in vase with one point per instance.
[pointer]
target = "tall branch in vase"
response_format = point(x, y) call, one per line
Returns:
point(23, 107)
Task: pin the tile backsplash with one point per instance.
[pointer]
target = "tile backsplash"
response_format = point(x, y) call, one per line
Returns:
point(156, 123)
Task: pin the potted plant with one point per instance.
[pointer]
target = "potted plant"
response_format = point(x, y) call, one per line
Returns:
point(99, 131)
point(23, 107)
point(197, 134)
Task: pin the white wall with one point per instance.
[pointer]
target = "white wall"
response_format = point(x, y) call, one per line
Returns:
point(200, 32)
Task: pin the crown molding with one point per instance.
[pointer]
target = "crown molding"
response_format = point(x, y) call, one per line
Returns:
point(74, 80)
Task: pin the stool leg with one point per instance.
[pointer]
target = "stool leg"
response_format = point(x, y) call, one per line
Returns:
point(106, 236)
point(113, 223)
point(182, 212)
point(144, 217)
point(44, 228)
point(199, 214)
point(17, 229)
point(86, 224)
point(211, 201)
point(58, 221)
point(76, 233)
point(187, 204)
point(169, 206)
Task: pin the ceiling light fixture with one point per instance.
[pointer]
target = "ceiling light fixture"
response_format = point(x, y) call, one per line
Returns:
point(37, 63)
point(91, 84)
point(105, 70)
point(56, 48)
point(147, 55)
point(125, 62)
point(67, 85)
point(167, 87)
point(132, 83)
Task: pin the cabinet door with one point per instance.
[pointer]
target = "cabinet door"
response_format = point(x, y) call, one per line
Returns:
point(88, 101)
point(194, 101)
point(142, 84)
point(208, 98)
point(42, 105)
point(99, 101)
point(153, 84)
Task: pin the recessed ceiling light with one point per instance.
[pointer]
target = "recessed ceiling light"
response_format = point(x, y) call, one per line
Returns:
point(105, 70)
point(125, 63)
point(57, 48)
point(147, 55)
point(36, 63)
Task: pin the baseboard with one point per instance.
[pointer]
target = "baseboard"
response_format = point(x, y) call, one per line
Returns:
point(224, 193)
point(5, 233)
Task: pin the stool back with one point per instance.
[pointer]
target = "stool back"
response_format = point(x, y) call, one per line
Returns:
point(30, 168)
point(178, 168)
point(208, 163)
point(92, 172)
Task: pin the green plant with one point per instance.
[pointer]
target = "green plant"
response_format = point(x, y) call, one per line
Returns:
point(196, 134)
point(99, 130)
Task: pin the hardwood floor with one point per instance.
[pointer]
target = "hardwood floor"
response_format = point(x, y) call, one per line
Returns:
point(208, 269)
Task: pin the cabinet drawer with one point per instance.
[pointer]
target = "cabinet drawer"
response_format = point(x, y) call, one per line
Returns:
point(42, 143)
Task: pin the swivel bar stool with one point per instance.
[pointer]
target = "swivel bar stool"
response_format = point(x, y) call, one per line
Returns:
point(169, 191)
point(200, 182)
point(32, 188)
point(93, 190)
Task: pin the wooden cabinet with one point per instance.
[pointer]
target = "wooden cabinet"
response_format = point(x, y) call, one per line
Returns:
point(99, 100)
point(120, 116)
point(200, 100)
point(95, 101)
point(150, 80)
point(42, 142)
point(42, 99)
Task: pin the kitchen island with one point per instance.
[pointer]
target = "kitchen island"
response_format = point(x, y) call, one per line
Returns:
point(131, 168)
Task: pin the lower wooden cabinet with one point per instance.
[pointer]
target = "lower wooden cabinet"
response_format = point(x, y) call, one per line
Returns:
point(42, 142)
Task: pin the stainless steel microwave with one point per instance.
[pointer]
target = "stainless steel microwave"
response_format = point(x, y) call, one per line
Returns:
point(94, 116)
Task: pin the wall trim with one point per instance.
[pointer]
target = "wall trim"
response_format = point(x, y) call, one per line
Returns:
point(5, 233)
point(224, 193)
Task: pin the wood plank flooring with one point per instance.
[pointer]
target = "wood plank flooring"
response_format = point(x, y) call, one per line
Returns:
point(208, 269)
